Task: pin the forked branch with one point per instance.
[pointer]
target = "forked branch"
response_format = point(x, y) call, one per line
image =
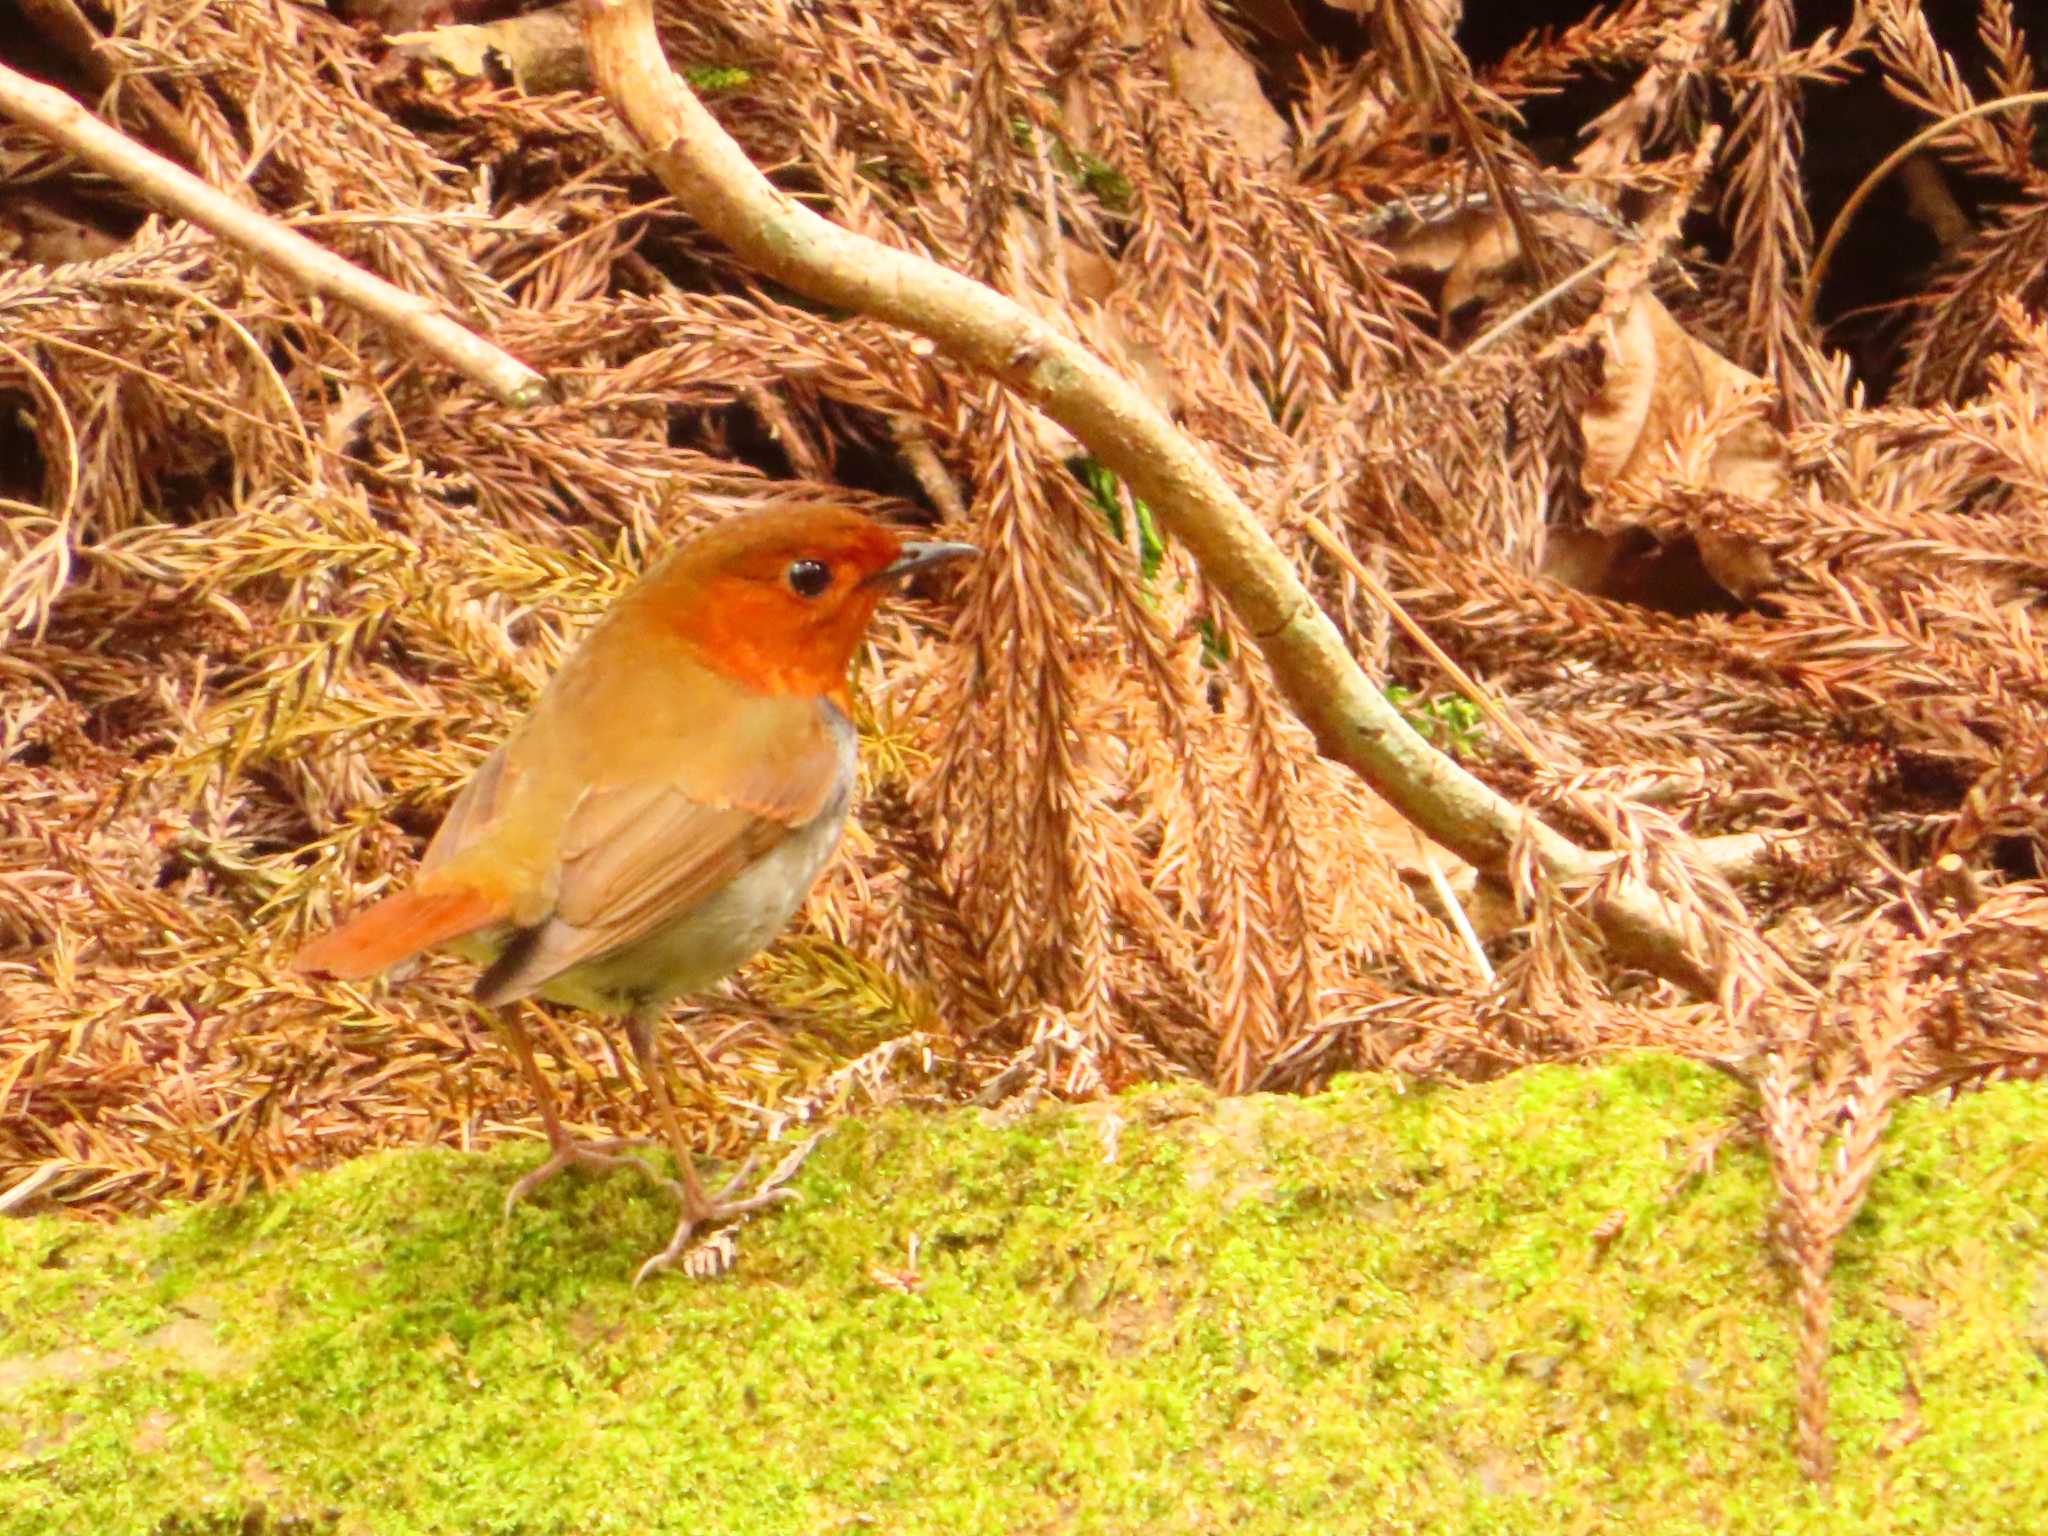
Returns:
point(711, 177)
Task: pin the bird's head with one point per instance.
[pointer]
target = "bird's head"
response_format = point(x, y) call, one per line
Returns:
point(779, 598)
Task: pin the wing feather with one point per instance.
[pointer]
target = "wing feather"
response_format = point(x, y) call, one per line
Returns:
point(473, 811)
point(638, 856)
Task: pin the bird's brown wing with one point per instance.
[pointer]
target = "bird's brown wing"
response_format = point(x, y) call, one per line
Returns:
point(637, 856)
point(472, 811)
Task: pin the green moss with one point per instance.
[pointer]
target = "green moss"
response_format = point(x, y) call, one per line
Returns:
point(1502, 1309)
point(715, 79)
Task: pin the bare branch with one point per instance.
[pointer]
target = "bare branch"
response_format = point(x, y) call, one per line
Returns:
point(65, 26)
point(177, 190)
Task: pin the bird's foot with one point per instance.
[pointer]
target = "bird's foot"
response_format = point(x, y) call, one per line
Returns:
point(716, 1254)
point(600, 1156)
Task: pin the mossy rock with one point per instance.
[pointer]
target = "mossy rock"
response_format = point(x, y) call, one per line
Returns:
point(1511, 1308)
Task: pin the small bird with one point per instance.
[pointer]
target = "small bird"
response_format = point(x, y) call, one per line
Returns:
point(663, 811)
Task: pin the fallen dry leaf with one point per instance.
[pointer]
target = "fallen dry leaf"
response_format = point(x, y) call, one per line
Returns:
point(1212, 77)
point(1478, 254)
point(1660, 383)
point(1672, 410)
point(541, 51)
point(1215, 79)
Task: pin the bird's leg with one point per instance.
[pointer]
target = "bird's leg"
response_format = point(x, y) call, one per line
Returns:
point(602, 1155)
point(699, 1209)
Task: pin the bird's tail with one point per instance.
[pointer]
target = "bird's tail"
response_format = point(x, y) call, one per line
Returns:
point(398, 927)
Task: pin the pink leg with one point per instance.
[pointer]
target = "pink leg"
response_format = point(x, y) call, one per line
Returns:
point(600, 1155)
point(700, 1209)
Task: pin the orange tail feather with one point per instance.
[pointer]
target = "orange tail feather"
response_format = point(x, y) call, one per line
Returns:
point(399, 927)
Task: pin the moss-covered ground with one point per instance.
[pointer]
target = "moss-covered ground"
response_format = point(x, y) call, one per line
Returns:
point(1510, 1308)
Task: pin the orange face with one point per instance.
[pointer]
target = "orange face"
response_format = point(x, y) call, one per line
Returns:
point(779, 599)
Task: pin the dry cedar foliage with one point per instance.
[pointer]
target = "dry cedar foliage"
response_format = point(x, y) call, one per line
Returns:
point(272, 587)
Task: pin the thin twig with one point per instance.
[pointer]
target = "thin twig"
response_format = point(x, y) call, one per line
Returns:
point(1884, 168)
point(1542, 301)
point(171, 187)
point(33, 1185)
point(1470, 686)
point(65, 26)
point(1454, 909)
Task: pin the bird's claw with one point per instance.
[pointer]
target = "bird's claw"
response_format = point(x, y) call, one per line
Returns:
point(717, 1253)
point(599, 1156)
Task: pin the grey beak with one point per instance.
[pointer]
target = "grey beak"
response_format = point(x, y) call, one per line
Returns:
point(916, 556)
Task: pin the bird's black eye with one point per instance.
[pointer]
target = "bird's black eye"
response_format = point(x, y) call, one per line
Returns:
point(807, 578)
